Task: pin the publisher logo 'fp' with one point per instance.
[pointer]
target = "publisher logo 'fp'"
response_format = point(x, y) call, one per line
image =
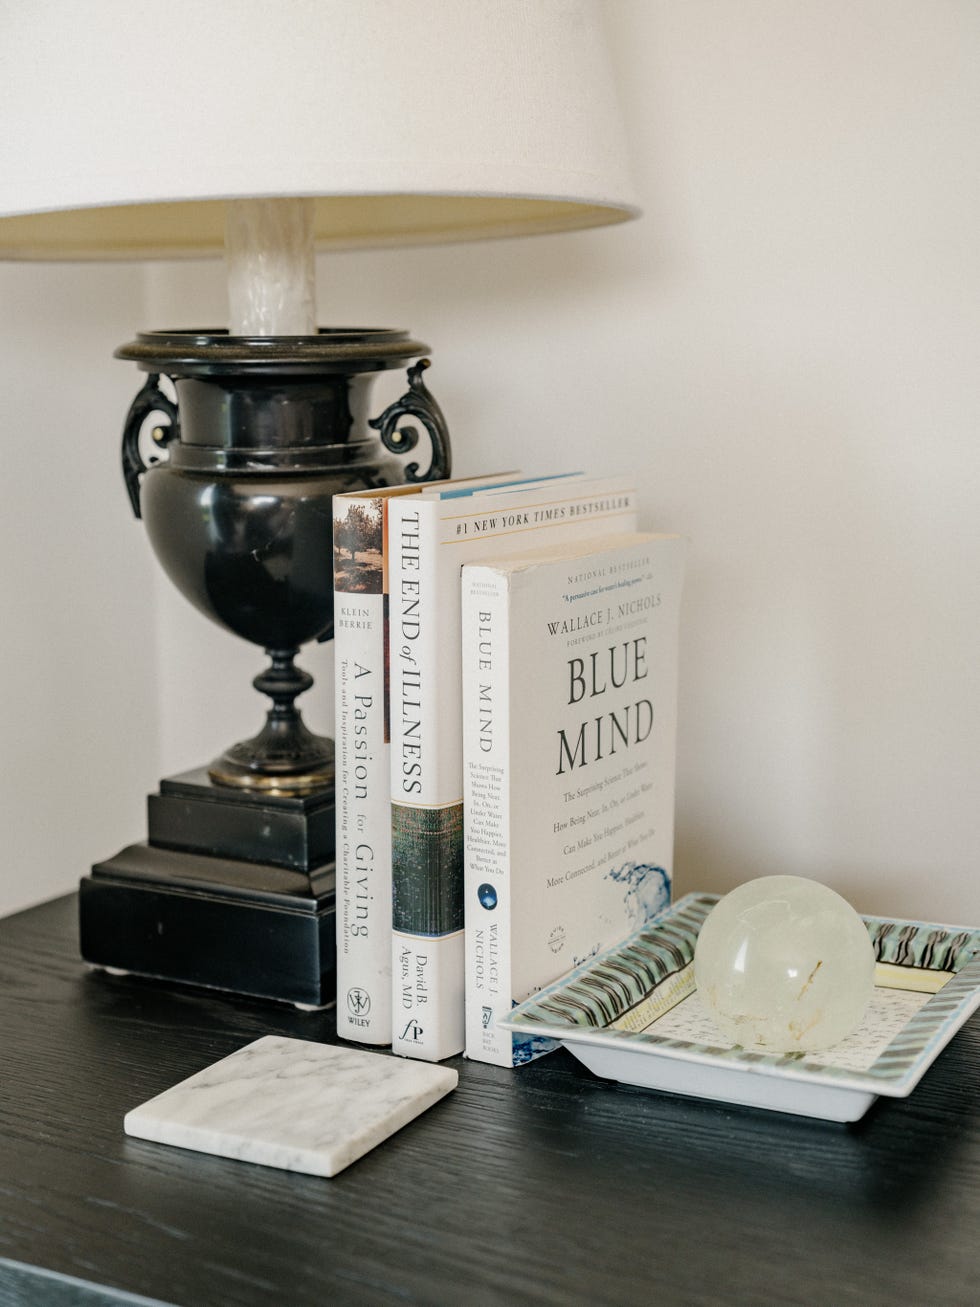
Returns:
point(358, 1002)
point(412, 1032)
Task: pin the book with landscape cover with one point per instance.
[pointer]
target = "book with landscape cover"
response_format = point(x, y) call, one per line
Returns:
point(363, 780)
point(430, 537)
point(363, 773)
point(569, 724)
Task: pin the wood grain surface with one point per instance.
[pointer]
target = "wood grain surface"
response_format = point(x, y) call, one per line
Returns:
point(543, 1185)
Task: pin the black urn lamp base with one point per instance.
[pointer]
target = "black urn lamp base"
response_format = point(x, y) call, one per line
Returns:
point(235, 480)
point(285, 757)
point(234, 890)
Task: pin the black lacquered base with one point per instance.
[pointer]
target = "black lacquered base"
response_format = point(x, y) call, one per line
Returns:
point(192, 813)
point(234, 891)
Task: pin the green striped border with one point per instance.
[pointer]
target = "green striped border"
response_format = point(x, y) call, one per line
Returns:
point(601, 991)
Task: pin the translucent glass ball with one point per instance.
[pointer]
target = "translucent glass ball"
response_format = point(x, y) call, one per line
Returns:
point(784, 964)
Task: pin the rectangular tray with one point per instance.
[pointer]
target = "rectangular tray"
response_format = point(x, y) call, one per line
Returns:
point(632, 1014)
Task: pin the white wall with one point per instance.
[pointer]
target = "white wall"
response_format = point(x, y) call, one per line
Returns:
point(782, 349)
point(78, 709)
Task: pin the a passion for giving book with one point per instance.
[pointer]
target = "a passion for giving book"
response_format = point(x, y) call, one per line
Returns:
point(363, 795)
point(363, 780)
point(430, 537)
point(569, 724)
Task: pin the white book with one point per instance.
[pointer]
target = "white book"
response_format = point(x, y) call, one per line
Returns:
point(363, 795)
point(430, 538)
point(363, 772)
point(569, 725)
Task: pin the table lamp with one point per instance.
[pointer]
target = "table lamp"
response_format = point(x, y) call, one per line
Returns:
point(267, 132)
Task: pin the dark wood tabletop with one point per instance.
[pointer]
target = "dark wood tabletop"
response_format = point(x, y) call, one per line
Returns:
point(541, 1185)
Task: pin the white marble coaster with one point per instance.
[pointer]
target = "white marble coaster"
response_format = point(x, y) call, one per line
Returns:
point(292, 1104)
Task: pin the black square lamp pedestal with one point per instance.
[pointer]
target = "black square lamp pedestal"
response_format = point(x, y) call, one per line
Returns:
point(233, 890)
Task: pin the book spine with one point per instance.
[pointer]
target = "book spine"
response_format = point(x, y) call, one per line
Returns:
point(362, 784)
point(426, 822)
point(488, 899)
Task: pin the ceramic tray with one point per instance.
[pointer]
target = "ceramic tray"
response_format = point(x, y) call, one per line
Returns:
point(633, 1014)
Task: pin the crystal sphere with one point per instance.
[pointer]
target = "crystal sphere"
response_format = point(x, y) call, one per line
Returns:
point(784, 963)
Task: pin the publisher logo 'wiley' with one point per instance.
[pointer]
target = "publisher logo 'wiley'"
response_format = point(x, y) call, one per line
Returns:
point(358, 1002)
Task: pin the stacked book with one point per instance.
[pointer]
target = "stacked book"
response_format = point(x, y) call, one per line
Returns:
point(506, 673)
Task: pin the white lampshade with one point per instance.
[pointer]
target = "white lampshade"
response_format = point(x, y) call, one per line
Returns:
point(126, 124)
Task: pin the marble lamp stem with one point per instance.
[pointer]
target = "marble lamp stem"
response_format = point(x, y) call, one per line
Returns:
point(271, 268)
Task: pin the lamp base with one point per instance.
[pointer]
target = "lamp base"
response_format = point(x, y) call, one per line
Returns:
point(233, 891)
point(285, 757)
point(194, 813)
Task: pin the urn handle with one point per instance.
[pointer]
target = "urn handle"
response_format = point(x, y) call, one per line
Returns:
point(151, 399)
point(417, 402)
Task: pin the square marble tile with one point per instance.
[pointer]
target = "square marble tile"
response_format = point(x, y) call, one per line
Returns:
point(292, 1104)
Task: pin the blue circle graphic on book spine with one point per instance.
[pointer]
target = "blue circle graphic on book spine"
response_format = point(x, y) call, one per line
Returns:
point(487, 896)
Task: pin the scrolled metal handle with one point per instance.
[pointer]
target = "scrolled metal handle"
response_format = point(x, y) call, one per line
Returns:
point(151, 399)
point(419, 403)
